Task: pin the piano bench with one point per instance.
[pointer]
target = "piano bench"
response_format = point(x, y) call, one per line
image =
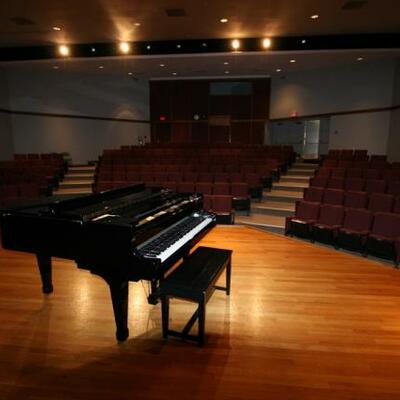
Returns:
point(194, 280)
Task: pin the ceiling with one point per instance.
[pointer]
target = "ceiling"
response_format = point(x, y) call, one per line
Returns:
point(207, 65)
point(26, 23)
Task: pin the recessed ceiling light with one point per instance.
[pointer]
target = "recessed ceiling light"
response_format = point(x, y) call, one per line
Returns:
point(235, 44)
point(292, 60)
point(278, 70)
point(314, 16)
point(226, 63)
point(124, 47)
point(178, 46)
point(130, 73)
point(204, 44)
point(101, 66)
point(137, 23)
point(226, 72)
point(303, 41)
point(162, 65)
point(266, 43)
point(55, 67)
point(223, 20)
point(148, 47)
point(93, 50)
point(63, 50)
point(174, 73)
point(360, 58)
point(56, 28)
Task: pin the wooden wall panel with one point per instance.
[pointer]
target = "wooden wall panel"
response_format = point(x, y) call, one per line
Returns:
point(220, 105)
point(257, 132)
point(241, 107)
point(160, 99)
point(181, 104)
point(200, 132)
point(261, 98)
point(241, 132)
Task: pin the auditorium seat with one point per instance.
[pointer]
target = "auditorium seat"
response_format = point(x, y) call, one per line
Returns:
point(360, 155)
point(371, 174)
point(221, 177)
point(333, 196)
point(329, 163)
point(379, 202)
point(204, 187)
point(306, 213)
point(394, 188)
point(356, 184)
point(354, 173)
point(355, 199)
point(384, 239)
point(338, 173)
point(236, 177)
point(329, 221)
point(396, 207)
point(375, 186)
point(222, 207)
point(335, 183)
point(241, 198)
point(362, 164)
point(356, 225)
point(323, 172)
point(175, 177)
point(185, 187)
point(314, 194)
point(29, 191)
point(205, 177)
point(319, 181)
point(345, 164)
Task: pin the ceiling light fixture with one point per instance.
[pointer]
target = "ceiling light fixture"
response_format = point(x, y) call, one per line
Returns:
point(314, 16)
point(137, 23)
point(174, 73)
point(56, 28)
point(93, 50)
point(178, 46)
point(224, 20)
point(303, 41)
point(55, 67)
point(162, 65)
point(360, 58)
point(266, 43)
point(226, 72)
point(235, 44)
point(148, 47)
point(226, 63)
point(130, 73)
point(101, 66)
point(292, 60)
point(63, 50)
point(124, 47)
point(278, 70)
point(204, 44)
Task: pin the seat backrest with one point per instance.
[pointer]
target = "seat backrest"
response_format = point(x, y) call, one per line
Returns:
point(354, 184)
point(204, 187)
point(354, 173)
point(379, 202)
point(313, 193)
point(207, 202)
point(325, 172)
point(333, 196)
point(331, 215)
point(396, 207)
point(355, 199)
point(205, 177)
point(363, 164)
point(335, 183)
point(338, 172)
point(240, 189)
point(345, 163)
point(186, 187)
point(394, 188)
point(236, 177)
point(221, 177)
point(222, 204)
point(319, 181)
point(375, 186)
point(371, 174)
point(329, 163)
point(307, 210)
point(221, 188)
point(358, 219)
point(386, 224)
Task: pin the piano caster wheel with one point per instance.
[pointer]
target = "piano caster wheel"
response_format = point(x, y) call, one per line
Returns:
point(122, 335)
point(47, 289)
point(152, 299)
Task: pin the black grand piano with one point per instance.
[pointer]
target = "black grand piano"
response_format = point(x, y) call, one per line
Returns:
point(122, 235)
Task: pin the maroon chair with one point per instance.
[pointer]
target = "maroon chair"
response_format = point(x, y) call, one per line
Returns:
point(10, 194)
point(190, 177)
point(371, 174)
point(299, 225)
point(222, 207)
point(255, 185)
point(360, 155)
point(345, 164)
point(379, 202)
point(205, 177)
point(355, 199)
point(354, 173)
point(207, 202)
point(335, 183)
point(319, 181)
point(329, 163)
point(363, 164)
point(29, 191)
point(119, 175)
point(333, 196)
point(394, 188)
point(159, 176)
point(329, 221)
point(185, 187)
point(221, 188)
point(384, 239)
point(236, 177)
point(221, 177)
point(324, 172)
point(169, 185)
point(204, 187)
point(175, 176)
point(338, 173)
point(356, 184)
point(314, 194)
point(133, 176)
point(346, 154)
point(396, 207)
point(356, 226)
point(147, 178)
point(375, 186)
point(241, 198)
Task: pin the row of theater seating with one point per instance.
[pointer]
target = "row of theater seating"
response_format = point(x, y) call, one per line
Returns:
point(240, 192)
point(43, 156)
point(357, 154)
point(374, 163)
point(360, 173)
point(12, 193)
point(356, 184)
point(374, 202)
point(222, 206)
point(350, 228)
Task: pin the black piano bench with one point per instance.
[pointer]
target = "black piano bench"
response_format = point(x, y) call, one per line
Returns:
point(194, 280)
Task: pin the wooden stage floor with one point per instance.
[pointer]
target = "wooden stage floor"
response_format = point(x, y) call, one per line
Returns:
point(302, 322)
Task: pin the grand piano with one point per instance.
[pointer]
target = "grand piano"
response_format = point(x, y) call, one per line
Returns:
point(121, 235)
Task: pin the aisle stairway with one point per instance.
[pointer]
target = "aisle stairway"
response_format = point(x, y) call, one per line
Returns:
point(277, 204)
point(78, 180)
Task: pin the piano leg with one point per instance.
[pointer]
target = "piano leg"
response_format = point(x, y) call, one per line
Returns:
point(153, 297)
point(44, 263)
point(119, 295)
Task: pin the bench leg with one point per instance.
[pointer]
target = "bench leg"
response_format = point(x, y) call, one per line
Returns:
point(165, 315)
point(202, 321)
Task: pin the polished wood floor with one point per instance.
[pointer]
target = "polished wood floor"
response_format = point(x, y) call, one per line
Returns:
point(302, 322)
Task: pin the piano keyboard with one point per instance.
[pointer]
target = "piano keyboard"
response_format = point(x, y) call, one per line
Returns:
point(169, 241)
